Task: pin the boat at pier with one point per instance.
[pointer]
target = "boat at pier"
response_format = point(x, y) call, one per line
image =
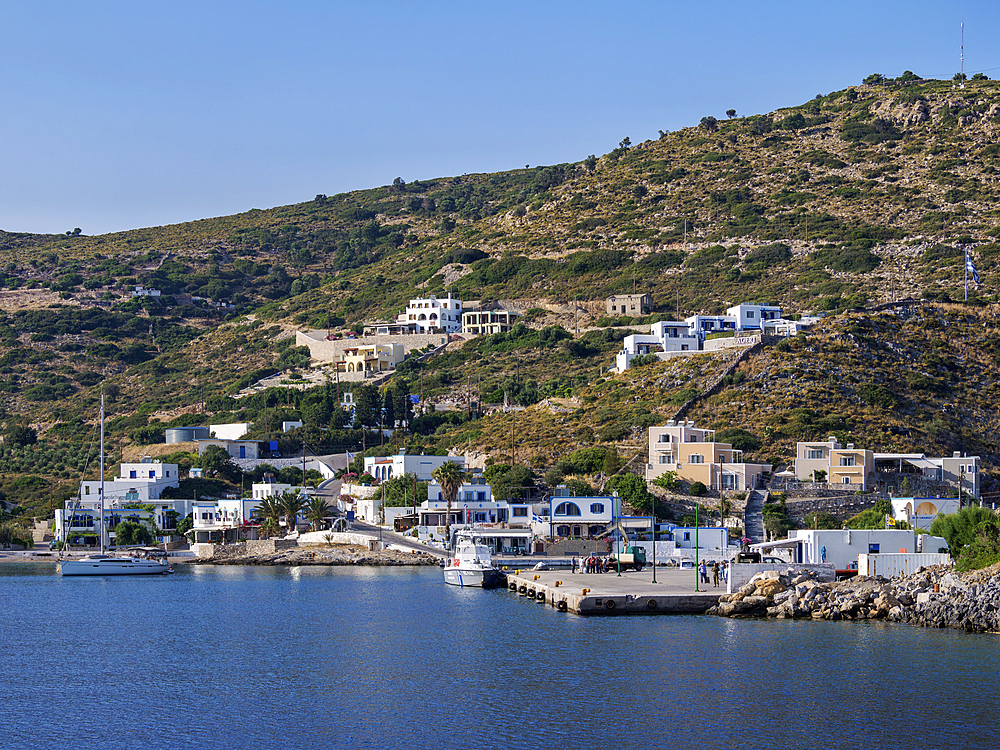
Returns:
point(472, 565)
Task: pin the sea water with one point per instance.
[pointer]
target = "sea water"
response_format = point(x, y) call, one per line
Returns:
point(271, 658)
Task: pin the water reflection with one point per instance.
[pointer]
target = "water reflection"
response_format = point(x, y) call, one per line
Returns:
point(276, 657)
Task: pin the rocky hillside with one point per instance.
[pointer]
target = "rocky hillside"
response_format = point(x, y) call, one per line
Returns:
point(867, 195)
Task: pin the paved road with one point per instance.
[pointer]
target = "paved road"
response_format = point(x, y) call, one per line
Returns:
point(391, 537)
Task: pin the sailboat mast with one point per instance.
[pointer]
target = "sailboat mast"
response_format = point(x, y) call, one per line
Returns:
point(101, 527)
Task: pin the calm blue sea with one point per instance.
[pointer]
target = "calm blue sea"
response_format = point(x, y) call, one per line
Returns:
point(275, 658)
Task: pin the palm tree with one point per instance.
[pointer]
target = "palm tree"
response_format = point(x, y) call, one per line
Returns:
point(269, 511)
point(451, 477)
point(292, 504)
point(316, 511)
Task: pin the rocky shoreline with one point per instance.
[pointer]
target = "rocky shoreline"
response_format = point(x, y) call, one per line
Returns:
point(934, 597)
point(341, 554)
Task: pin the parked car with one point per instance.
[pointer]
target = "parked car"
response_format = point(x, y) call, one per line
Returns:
point(687, 564)
point(774, 561)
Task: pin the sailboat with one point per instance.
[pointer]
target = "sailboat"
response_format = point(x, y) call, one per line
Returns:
point(141, 561)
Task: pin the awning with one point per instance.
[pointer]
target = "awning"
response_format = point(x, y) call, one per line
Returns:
point(780, 543)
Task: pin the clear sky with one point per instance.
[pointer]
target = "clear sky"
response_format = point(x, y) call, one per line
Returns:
point(118, 115)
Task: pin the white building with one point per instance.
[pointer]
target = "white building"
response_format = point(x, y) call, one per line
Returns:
point(235, 448)
point(690, 334)
point(753, 317)
point(269, 487)
point(431, 313)
point(708, 540)
point(574, 517)
point(385, 468)
point(842, 547)
point(475, 505)
point(137, 484)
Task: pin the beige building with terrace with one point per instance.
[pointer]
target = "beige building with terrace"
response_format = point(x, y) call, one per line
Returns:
point(846, 466)
point(694, 456)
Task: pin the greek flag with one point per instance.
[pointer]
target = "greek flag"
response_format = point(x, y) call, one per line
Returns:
point(971, 268)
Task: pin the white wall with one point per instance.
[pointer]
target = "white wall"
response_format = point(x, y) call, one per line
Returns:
point(233, 431)
point(891, 565)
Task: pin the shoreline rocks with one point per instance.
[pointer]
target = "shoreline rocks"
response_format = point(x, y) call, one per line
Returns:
point(934, 597)
point(341, 554)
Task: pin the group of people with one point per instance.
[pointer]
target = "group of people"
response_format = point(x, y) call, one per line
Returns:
point(718, 570)
point(591, 564)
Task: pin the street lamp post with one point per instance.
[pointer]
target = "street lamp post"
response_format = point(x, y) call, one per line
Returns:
point(654, 541)
point(614, 496)
point(697, 570)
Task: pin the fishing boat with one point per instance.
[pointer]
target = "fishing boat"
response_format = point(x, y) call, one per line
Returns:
point(133, 561)
point(472, 565)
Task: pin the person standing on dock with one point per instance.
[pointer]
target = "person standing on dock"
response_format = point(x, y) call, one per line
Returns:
point(703, 570)
point(715, 573)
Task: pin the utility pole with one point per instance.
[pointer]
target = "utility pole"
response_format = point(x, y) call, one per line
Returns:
point(512, 434)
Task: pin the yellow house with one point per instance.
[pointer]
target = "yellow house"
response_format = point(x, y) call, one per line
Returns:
point(694, 456)
point(371, 358)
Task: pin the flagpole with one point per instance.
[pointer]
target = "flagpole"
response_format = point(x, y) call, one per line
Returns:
point(966, 275)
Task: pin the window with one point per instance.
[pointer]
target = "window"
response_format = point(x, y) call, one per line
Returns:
point(663, 439)
point(481, 497)
point(687, 536)
point(567, 509)
point(696, 458)
point(847, 480)
point(749, 314)
point(521, 512)
point(666, 459)
point(152, 474)
point(597, 507)
point(562, 530)
point(132, 474)
point(814, 454)
point(847, 460)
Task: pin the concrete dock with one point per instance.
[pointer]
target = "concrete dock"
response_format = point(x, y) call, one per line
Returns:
point(608, 594)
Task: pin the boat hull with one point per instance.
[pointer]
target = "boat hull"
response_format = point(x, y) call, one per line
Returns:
point(487, 578)
point(125, 566)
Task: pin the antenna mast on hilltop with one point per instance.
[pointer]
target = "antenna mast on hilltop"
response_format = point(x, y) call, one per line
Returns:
point(961, 83)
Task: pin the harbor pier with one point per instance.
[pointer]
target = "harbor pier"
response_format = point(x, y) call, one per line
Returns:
point(605, 594)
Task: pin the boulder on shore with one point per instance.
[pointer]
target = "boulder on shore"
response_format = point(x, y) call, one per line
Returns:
point(934, 597)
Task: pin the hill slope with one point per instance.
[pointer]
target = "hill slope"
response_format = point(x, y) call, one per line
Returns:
point(863, 196)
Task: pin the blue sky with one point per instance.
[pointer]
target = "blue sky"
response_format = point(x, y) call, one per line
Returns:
point(118, 115)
